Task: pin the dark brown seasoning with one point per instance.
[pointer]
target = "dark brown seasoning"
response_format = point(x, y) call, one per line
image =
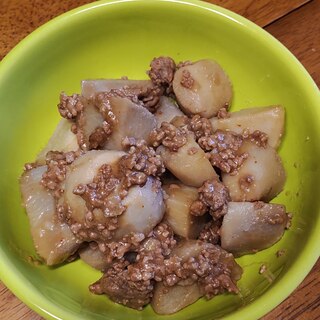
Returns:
point(223, 148)
point(213, 198)
point(169, 136)
point(187, 81)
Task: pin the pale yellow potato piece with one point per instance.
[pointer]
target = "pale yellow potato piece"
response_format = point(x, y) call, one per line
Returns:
point(249, 227)
point(211, 89)
point(62, 140)
point(263, 168)
point(178, 201)
point(269, 120)
point(189, 164)
point(92, 87)
point(53, 239)
point(167, 110)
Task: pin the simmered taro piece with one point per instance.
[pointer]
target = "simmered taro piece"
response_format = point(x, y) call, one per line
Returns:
point(202, 88)
point(269, 120)
point(53, 239)
point(178, 201)
point(261, 176)
point(252, 226)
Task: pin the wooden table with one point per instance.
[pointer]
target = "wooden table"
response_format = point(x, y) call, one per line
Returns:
point(294, 22)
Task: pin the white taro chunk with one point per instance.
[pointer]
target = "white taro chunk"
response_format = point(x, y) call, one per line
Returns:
point(202, 88)
point(82, 171)
point(62, 139)
point(168, 300)
point(144, 205)
point(92, 256)
point(189, 164)
point(167, 110)
point(178, 201)
point(261, 176)
point(132, 120)
point(91, 87)
point(53, 239)
point(249, 227)
point(269, 120)
point(144, 209)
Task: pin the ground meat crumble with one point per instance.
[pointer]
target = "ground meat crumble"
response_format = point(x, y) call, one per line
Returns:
point(213, 198)
point(132, 284)
point(55, 174)
point(258, 137)
point(187, 81)
point(169, 136)
point(140, 162)
point(210, 233)
point(162, 71)
point(223, 148)
point(70, 106)
point(200, 126)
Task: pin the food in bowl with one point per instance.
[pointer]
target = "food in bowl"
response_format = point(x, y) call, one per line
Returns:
point(156, 184)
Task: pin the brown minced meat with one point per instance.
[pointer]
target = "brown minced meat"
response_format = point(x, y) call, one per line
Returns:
point(132, 283)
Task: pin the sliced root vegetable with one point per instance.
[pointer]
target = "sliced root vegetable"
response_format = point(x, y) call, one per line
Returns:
point(91, 87)
point(145, 209)
point(132, 120)
point(167, 110)
point(178, 201)
point(189, 164)
point(168, 300)
point(94, 257)
point(82, 171)
point(269, 120)
point(52, 238)
point(261, 176)
point(249, 227)
point(202, 88)
point(62, 140)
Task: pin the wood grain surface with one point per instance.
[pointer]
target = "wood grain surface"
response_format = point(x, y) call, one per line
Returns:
point(294, 22)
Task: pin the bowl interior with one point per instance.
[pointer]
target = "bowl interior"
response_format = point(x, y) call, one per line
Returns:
point(113, 39)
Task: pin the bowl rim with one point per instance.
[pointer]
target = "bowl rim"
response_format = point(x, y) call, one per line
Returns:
point(23, 289)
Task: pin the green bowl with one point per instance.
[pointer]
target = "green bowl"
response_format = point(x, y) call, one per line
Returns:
point(110, 39)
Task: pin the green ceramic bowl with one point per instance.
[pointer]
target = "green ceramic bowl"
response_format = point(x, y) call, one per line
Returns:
point(114, 38)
